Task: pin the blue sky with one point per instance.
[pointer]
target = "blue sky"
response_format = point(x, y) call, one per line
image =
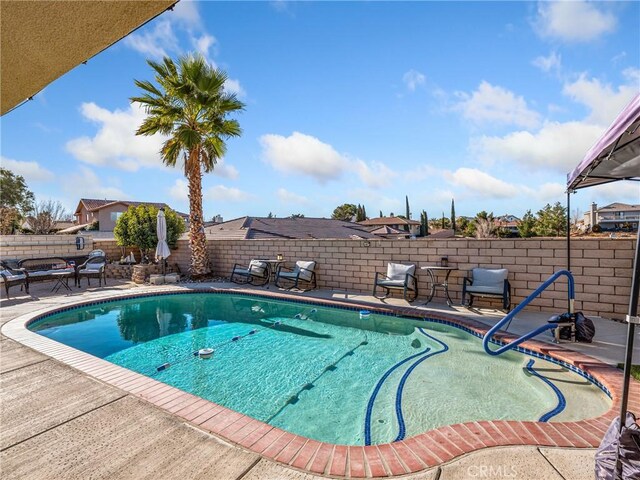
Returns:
point(489, 103)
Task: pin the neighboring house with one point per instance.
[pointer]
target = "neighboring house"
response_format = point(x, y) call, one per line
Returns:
point(107, 212)
point(508, 222)
point(616, 216)
point(293, 228)
point(58, 225)
point(409, 227)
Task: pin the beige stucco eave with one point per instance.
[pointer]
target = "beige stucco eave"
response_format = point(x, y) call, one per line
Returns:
point(42, 40)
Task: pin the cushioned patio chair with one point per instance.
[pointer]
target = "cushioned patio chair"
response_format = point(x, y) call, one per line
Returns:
point(487, 283)
point(94, 267)
point(302, 274)
point(398, 277)
point(257, 273)
point(12, 277)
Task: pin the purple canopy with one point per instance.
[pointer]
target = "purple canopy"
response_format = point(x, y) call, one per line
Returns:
point(616, 156)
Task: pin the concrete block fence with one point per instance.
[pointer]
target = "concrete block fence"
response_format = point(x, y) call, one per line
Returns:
point(602, 266)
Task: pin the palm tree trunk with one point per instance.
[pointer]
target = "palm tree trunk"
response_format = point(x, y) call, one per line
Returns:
point(197, 237)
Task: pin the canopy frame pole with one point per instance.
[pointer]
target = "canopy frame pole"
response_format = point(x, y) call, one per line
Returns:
point(632, 318)
point(569, 309)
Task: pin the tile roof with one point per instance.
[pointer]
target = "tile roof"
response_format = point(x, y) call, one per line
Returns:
point(292, 228)
point(93, 204)
point(389, 221)
point(620, 207)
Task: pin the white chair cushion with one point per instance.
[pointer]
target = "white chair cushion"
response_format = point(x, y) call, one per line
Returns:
point(10, 276)
point(489, 278)
point(305, 269)
point(391, 283)
point(257, 268)
point(94, 266)
point(398, 271)
point(486, 290)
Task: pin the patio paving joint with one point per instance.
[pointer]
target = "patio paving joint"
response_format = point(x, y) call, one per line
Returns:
point(249, 468)
point(550, 463)
point(27, 365)
point(63, 423)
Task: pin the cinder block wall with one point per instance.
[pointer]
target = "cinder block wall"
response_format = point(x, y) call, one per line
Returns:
point(37, 246)
point(181, 255)
point(602, 267)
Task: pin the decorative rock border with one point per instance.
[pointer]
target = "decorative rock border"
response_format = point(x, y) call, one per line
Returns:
point(411, 455)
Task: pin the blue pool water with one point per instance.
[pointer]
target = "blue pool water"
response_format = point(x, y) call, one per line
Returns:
point(323, 372)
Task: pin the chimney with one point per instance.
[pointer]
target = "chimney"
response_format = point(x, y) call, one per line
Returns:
point(594, 214)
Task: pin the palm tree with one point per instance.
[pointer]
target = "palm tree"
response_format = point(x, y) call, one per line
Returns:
point(190, 105)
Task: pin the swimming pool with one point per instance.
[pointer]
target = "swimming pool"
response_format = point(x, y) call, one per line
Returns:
point(324, 373)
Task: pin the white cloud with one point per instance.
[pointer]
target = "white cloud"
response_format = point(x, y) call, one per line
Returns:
point(230, 194)
point(481, 183)
point(288, 197)
point(549, 63)
point(549, 192)
point(203, 43)
point(116, 144)
point(557, 146)
point(303, 154)
point(186, 14)
point(573, 21)
point(31, 171)
point(603, 100)
point(494, 104)
point(233, 86)
point(155, 43)
point(225, 171)
point(625, 192)
point(560, 146)
point(307, 155)
point(83, 182)
point(373, 175)
point(413, 79)
point(180, 190)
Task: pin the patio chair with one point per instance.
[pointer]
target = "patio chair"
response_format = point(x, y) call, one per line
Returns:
point(487, 283)
point(303, 272)
point(398, 277)
point(93, 267)
point(257, 273)
point(12, 277)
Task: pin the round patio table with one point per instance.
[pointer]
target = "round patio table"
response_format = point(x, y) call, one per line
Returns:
point(432, 271)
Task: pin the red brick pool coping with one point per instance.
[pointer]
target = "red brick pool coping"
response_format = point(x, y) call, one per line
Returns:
point(411, 455)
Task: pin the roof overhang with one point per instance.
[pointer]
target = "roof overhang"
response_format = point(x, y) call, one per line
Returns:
point(615, 156)
point(42, 40)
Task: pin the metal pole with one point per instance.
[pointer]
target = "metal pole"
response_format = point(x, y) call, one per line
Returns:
point(632, 318)
point(569, 309)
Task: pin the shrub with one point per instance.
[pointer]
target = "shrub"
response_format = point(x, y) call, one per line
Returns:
point(137, 227)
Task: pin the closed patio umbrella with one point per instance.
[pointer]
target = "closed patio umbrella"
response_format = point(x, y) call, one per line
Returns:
point(162, 250)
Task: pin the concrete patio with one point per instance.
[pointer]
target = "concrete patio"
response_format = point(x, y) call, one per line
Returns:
point(60, 423)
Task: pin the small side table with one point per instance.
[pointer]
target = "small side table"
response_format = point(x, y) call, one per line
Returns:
point(273, 267)
point(62, 280)
point(432, 271)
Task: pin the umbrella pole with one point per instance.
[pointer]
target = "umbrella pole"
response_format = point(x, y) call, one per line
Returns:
point(632, 319)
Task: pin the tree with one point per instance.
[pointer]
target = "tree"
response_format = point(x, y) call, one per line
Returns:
point(527, 226)
point(137, 227)
point(424, 224)
point(45, 215)
point(190, 105)
point(552, 221)
point(361, 214)
point(453, 216)
point(408, 211)
point(14, 192)
point(485, 225)
point(297, 215)
point(381, 214)
point(344, 212)
point(271, 215)
point(16, 201)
